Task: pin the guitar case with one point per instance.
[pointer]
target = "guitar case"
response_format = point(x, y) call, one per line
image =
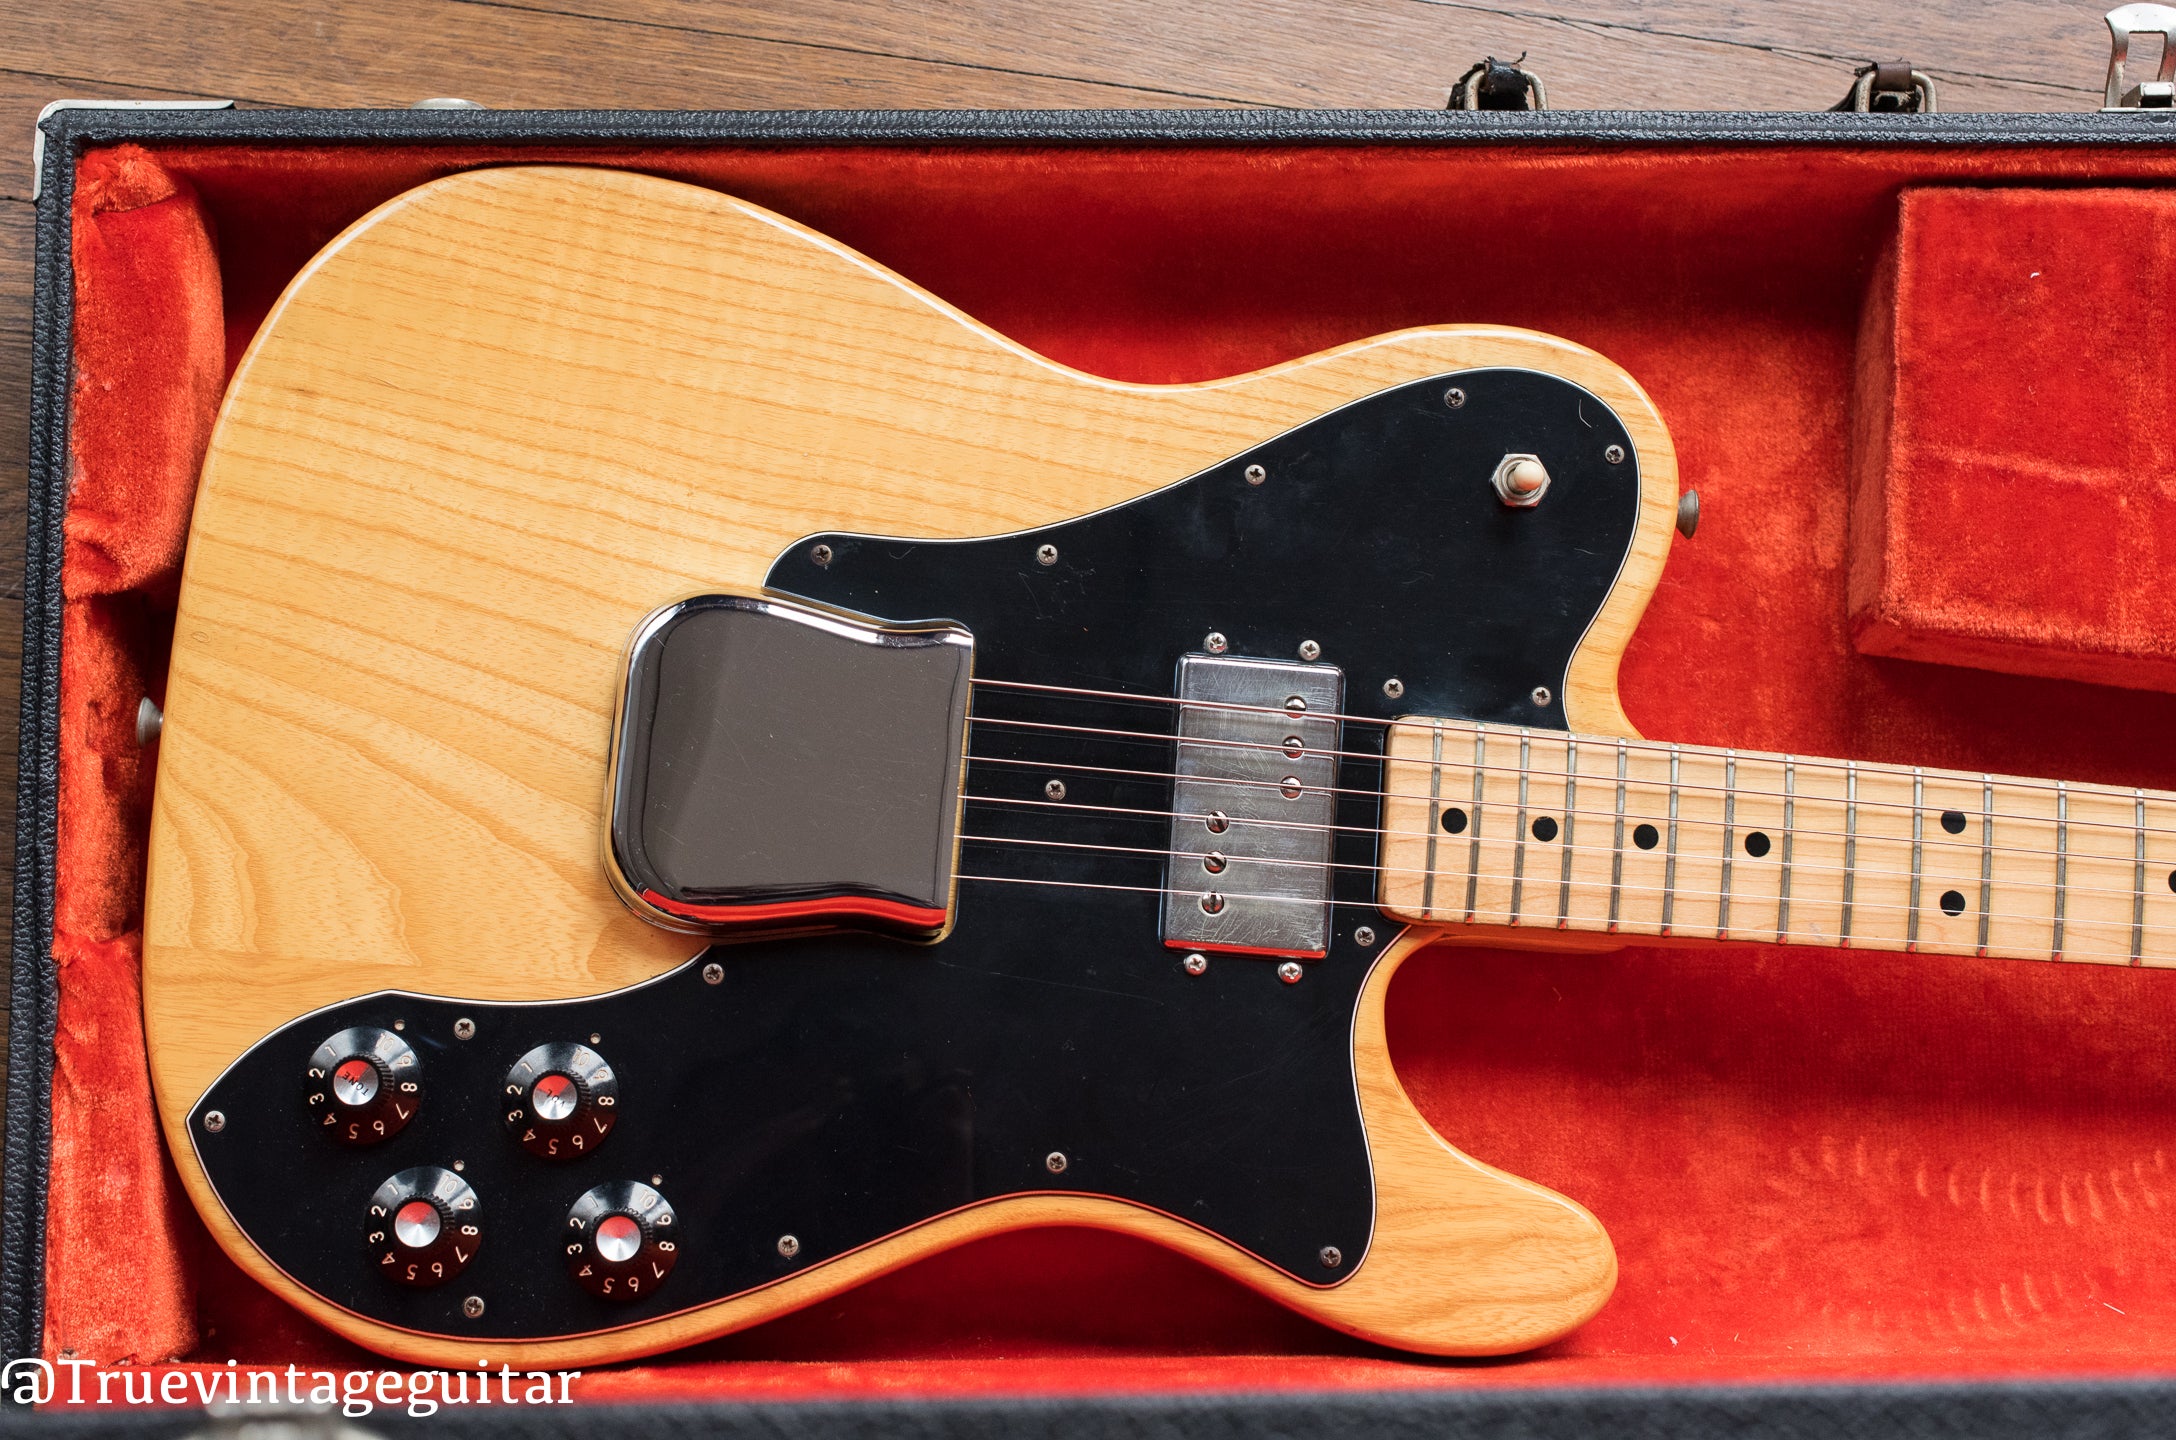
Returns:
point(1916, 369)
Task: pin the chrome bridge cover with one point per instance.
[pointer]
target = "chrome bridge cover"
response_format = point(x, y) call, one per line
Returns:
point(779, 767)
point(1253, 806)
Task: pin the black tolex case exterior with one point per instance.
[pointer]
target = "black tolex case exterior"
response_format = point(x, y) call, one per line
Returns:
point(2037, 1409)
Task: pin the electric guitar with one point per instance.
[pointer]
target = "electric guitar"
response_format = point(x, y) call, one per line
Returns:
point(694, 774)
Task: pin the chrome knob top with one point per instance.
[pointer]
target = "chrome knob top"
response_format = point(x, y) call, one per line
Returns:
point(618, 1238)
point(417, 1224)
point(554, 1097)
point(364, 1085)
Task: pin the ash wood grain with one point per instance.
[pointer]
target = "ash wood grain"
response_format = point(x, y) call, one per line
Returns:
point(512, 413)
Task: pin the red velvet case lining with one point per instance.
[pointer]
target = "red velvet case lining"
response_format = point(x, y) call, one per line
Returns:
point(1814, 1162)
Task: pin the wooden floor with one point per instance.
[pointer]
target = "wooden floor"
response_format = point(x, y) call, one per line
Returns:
point(791, 54)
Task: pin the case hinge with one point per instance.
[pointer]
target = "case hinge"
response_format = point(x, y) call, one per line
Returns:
point(1494, 84)
point(2159, 93)
point(1890, 87)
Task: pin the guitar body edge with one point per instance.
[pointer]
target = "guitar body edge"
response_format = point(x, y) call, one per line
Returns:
point(1464, 1259)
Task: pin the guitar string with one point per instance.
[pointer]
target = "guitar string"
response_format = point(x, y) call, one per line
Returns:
point(1603, 744)
point(1661, 748)
point(1546, 925)
point(1644, 786)
point(1798, 867)
point(1941, 842)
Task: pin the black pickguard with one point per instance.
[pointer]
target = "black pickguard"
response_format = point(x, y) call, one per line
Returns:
point(845, 1087)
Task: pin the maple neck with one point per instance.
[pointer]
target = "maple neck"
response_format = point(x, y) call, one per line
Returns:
point(1491, 825)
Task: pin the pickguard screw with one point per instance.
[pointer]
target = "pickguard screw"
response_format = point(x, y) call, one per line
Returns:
point(1454, 397)
point(657, 1179)
point(1331, 1257)
point(464, 1029)
point(1289, 972)
point(1055, 1162)
point(1256, 474)
point(1309, 650)
point(713, 974)
point(1215, 643)
point(1196, 963)
point(789, 1246)
point(596, 1039)
point(1394, 687)
point(460, 1165)
point(473, 1307)
point(1364, 936)
point(215, 1121)
point(821, 555)
point(1541, 695)
point(1046, 554)
point(400, 1024)
point(1614, 454)
point(1055, 789)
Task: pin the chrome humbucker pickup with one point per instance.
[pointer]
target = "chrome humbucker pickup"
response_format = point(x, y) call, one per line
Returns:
point(1253, 806)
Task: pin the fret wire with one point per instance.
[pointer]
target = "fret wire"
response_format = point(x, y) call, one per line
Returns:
point(1919, 820)
point(1669, 856)
point(1473, 859)
point(1783, 884)
point(1518, 852)
point(1616, 854)
point(2062, 863)
point(1851, 847)
point(1987, 855)
point(1571, 808)
point(1435, 827)
point(2138, 883)
point(1730, 818)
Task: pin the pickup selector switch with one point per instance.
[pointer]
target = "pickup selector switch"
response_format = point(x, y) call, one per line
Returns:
point(620, 1240)
point(424, 1226)
point(560, 1100)
point(364, 1085)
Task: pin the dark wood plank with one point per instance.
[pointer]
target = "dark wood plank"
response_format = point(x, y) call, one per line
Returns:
point(394, 52)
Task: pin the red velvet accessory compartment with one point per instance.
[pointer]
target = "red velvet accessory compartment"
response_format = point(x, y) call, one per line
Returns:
point(2014, 502)
point(1815, 1163)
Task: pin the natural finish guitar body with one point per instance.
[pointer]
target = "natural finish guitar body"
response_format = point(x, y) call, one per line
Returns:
point(493, 426)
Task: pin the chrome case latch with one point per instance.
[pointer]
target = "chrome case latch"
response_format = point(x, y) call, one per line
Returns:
point(2159, 93)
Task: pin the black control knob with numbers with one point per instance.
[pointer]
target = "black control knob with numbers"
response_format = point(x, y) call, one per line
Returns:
point(561, 1100)
point(364, 1085)
point(621, 1240)
point(424, 1226)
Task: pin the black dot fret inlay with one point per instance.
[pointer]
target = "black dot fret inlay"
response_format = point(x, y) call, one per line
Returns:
point(1454, 820)
point(1544, 828)
point(1756, 844)
point(1953, 821)
point(1952, 902)
point(1646, 837)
